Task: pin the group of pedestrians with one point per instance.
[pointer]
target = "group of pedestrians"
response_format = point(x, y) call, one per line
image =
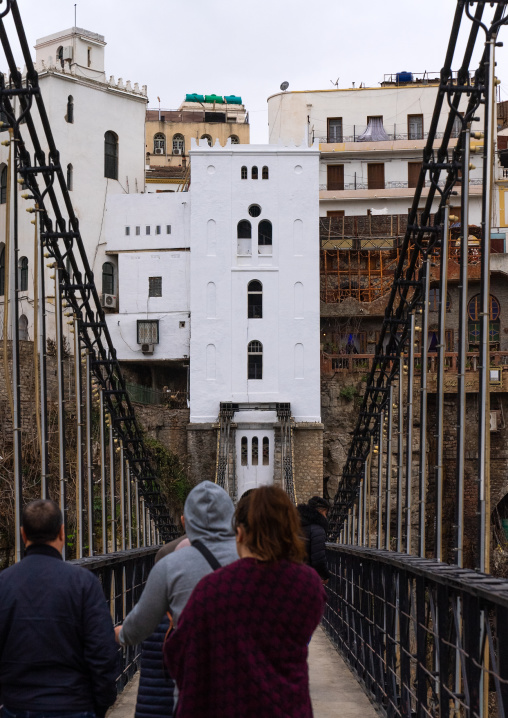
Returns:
point(225, 618)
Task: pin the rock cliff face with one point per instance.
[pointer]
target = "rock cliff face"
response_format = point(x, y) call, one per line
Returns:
point(341, 396)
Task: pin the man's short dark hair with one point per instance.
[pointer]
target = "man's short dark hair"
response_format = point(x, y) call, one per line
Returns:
point(41, 521)
point(317, 502)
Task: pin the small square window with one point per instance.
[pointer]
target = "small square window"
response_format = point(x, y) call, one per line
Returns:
point(158, 229)
point(148, 331)
point(168, 229)
point(182, 325)
point(155, 286)
point(147, 230)
point(138, 231)
point(127, 231)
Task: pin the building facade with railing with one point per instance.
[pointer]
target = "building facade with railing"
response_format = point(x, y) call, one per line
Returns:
point(371, 142)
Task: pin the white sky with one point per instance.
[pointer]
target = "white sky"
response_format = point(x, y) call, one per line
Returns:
point(248, 49)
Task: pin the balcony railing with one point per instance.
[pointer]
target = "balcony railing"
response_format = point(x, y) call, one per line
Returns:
point(157, 397)
point(393, 184)
point(393, 132)
point(349, 363)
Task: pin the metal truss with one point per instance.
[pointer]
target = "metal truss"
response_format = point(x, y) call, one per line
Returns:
point(96, 366)
point(407, 314)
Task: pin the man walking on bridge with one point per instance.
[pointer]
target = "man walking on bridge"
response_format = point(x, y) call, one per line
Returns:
point(57, 648)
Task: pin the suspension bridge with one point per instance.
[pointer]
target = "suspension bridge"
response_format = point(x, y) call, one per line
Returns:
point(422, 625)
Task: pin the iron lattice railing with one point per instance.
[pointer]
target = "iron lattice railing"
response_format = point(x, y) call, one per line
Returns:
point(425, 638)
point(123, 577)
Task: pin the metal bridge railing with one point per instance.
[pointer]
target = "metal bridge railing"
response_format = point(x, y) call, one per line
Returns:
point(123, 576)
point(425, 638)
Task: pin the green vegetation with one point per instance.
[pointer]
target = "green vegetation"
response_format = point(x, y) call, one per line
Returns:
point(348, 392)
point(171, 475)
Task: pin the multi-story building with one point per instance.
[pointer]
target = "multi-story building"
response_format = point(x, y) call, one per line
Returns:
point(98, 126)
point(213, 118)
point(224, 279)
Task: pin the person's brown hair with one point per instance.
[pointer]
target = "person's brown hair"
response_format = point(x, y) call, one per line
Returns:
point(271, 524)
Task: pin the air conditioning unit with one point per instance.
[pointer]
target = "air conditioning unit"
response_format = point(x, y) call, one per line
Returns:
point(147, 348)
point(159, 151)
point(67, 53)
point(178, 152)
point(495, 420)
point(109, 301)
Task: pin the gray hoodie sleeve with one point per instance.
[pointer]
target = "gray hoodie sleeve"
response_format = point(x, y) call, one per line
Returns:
point(150, 609)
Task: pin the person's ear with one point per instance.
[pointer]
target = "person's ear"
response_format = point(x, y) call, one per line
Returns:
point(23, 536)
point(61, 535)
point(240, 534)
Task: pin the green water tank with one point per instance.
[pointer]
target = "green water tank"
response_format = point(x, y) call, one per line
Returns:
point(233, 99)
point(214, 98)
point(194, 97)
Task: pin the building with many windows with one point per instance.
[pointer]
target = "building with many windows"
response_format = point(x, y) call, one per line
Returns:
point(98, 127)
point(224, 280)
point(213, 118)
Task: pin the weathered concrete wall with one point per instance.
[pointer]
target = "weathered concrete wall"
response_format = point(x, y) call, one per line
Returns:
point(308, 460)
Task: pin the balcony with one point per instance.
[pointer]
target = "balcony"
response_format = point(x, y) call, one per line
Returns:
point(393, 133)
point(396, 184)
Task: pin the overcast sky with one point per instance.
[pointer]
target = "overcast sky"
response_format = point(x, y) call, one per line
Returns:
point(248, 49)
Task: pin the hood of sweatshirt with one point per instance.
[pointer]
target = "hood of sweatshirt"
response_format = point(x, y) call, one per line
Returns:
point(208, 513)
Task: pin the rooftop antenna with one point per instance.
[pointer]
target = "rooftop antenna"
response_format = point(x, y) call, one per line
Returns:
point(284, 86)
point(75, 14)
point(336, 83)
point(159, 108)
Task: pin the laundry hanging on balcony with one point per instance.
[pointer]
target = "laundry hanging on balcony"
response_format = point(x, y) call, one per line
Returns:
point(375, 131)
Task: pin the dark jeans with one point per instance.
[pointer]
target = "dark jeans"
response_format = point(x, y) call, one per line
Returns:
point(46, 714)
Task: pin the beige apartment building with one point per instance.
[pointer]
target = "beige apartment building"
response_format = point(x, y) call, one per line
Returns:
point(210, 117)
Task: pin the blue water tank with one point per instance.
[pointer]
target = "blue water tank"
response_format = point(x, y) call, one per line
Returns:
point(403, 77)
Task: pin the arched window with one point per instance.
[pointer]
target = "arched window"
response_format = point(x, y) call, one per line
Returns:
point(3, 185)
point(69, 117)
point(159, 143)
point(234, 140)
point(255, 450)
point(265, 237)
point(254, 173)
point(473, 310)
point(2, 270)
point(23, 274)
point(208, 139)
point(111, 155)
point(255, 360)
point(255, 299)
point(245, 450)
point(264, 173)
point(244, 235)
point(108, 278)
point(59, 56)
point(266, 451)
point(70, 177)
point(244, 174)
point(178, 145)
point(23, 328)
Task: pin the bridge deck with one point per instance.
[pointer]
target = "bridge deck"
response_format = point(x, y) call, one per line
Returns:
point(334, 689)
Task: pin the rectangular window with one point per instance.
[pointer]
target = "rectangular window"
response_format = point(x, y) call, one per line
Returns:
point(335, 177)
point(148, 331)
point(155, 286)
point(158, 229)
point(168, 229)
point(376, 175)
point(147, 230)
point(255, 366)
point(415, 127)
point(138, 231)
point(127, 231)
point(335, 129)
point(413, 173)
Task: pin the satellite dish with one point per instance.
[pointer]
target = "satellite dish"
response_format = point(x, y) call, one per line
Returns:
point(284, 86)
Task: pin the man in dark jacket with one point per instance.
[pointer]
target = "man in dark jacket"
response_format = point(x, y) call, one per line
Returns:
point(57, 644)
point(315, 527)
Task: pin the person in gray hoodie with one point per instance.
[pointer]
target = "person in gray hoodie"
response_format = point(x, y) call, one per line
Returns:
point(208, 513)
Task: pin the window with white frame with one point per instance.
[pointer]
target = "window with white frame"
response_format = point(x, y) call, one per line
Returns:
point(159, 143)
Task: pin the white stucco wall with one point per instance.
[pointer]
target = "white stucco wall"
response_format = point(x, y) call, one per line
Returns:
point(221, 330)
point(98, 107)
point(141, 256)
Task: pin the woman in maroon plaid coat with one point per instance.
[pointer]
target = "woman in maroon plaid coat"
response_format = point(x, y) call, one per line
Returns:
point(240, 650)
